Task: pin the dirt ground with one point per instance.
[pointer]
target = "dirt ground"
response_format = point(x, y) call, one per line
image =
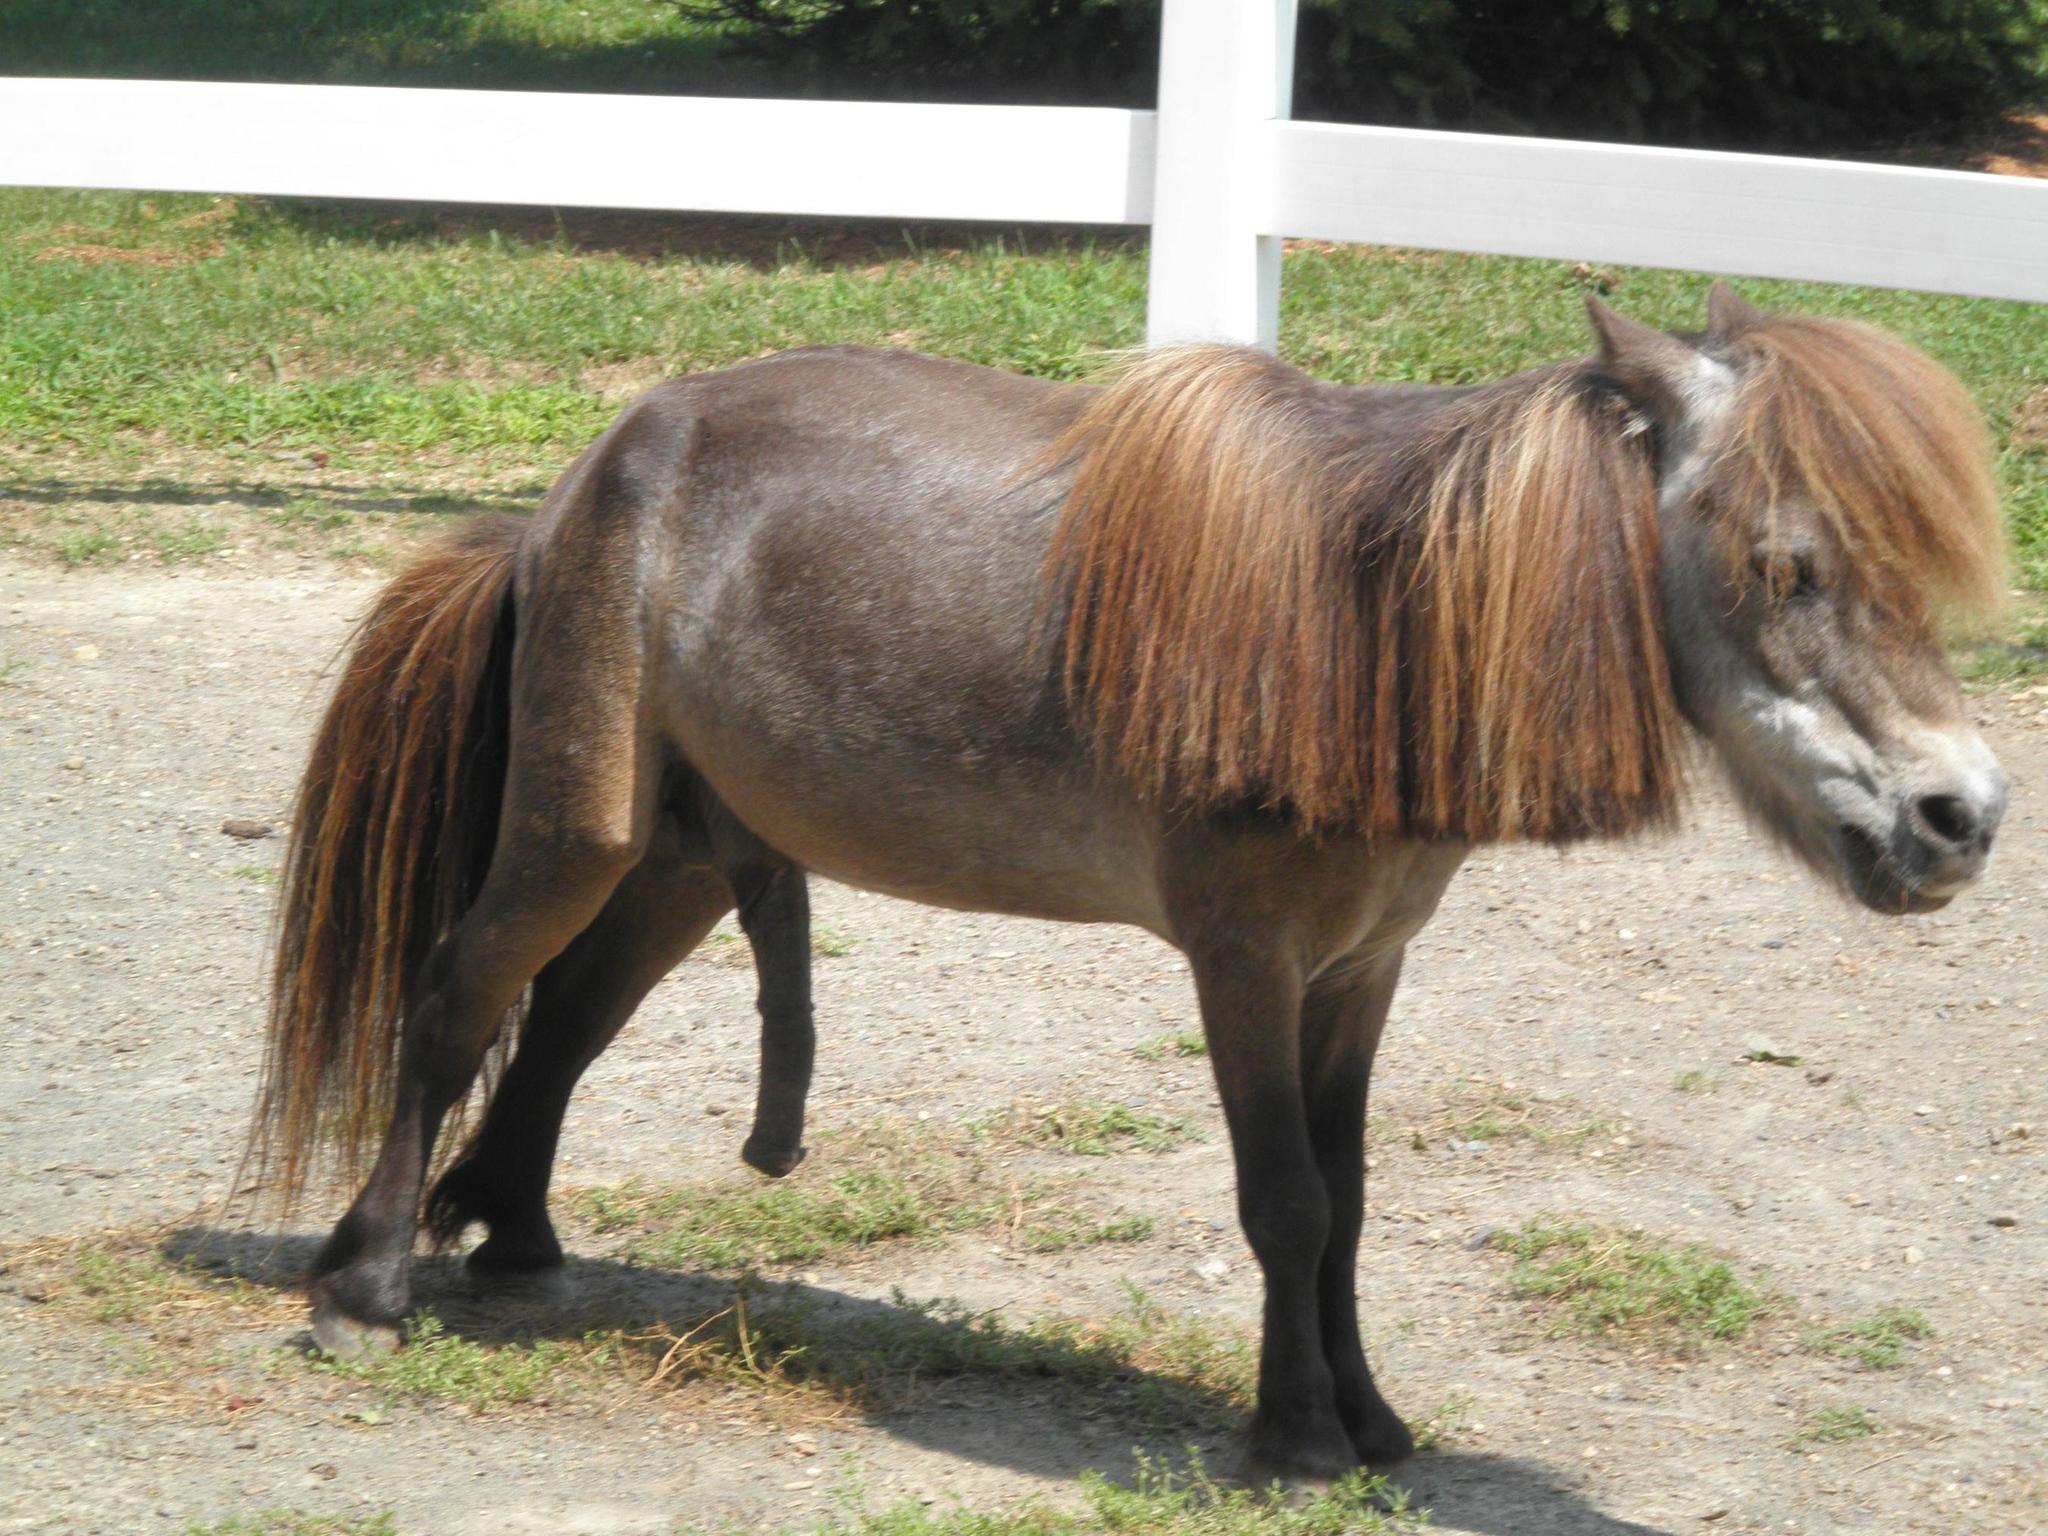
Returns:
point(141, 708)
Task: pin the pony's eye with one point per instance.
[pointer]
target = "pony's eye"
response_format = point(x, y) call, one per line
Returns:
point(1784, 576)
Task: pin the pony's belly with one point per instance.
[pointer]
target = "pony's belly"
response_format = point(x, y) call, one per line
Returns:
point(974, 837)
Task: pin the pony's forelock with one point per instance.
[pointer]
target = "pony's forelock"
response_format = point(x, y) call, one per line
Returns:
point(1883, 443)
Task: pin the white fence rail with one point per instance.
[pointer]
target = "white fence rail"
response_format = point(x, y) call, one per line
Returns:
point(1031, 164)
point(1219, 173)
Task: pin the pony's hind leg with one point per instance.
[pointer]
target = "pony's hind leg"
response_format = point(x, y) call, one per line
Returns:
point(578, 811)
point(581, 1000)
point(519, 922)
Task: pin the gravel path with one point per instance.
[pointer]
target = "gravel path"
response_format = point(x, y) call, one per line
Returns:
point(138, 710)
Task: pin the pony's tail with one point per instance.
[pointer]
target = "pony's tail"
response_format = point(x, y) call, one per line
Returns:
point(391, 836)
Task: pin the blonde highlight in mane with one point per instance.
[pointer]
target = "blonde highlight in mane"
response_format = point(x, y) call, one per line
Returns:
point(1885, 444)
point(1456, 637)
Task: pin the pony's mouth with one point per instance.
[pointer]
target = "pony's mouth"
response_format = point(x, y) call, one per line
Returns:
point(1874, 877)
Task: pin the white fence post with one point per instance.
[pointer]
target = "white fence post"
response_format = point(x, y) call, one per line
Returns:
point(1226, 69)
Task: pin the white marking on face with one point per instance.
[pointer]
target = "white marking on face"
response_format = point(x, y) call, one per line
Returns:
point(1786, 722)
point(1707, 396)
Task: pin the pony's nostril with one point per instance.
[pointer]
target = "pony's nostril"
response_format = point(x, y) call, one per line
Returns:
point(1950, 818)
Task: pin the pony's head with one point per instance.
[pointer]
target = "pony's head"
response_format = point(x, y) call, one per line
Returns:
point(1824, 498)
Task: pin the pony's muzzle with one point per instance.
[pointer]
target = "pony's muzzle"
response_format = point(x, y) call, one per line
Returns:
point(1950, 830)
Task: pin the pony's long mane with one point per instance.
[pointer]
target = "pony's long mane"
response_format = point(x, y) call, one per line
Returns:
point(1453, 629)
point(1883, 442)
point(1456, 636)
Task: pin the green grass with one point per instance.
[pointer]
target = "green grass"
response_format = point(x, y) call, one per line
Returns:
point(1696, 1080)
point(90, 546)
point(830, 944)
point(2018, 656)
point(176, 545)
point(1442, 1425)
point(1183, 1042)
point(315, 516)
point(1171, 1371)
point(123, 1287)
point(1159, 1503)
point(1831, 1426)
point(1089, 1129)
point(145, 325)
point(1607, 1280)
point(1159, 1372)
point(1058, 1237)
point(437, 1365)
point(786, 1223)
point(873, 1185)
point(291, 1522)
point(1488, 1113)
point(1877, 1342)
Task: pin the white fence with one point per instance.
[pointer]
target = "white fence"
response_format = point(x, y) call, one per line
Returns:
point(1219, 173)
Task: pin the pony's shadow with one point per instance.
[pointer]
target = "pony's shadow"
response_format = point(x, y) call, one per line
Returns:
point(932, 1375)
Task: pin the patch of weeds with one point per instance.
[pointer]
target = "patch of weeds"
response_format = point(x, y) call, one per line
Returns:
point(830, 943)
point(122, 1276)
point(262, 874)
point(1185, 1042)
point(794, 1221)
point(313, 516)
point(292, 1522)
point(1609, 1280)
point(355, 549)
point(192, 542)
point(1165, 1371)
point(1697, 1080)
point(1063, 1236)
point(1449, 1416)
point(10, 669)
point(2018, 657)
point(436, 1364)
point(1500, 1114)
point(1831, 1426)
point(1877, 1342)
point(1161, 1503)
point(90, 546)
point(801, 1221)
point(1088, 1129)
point(124, 1287)
point(891, 1184)
point(1764, 1056)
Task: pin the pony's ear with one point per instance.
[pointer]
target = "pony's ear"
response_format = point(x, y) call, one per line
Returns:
point(1655, 370)
point(1729, 314)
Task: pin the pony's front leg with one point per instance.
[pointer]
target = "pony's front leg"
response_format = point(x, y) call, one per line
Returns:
point(1342, 1019)
point(775, 912)
point(1251, 998)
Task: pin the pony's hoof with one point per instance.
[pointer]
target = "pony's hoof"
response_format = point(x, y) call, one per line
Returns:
point(504, 1258)
point(776, 1162)
point(1382, 1440)
point(1303, 1462)
point(348, 1338)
